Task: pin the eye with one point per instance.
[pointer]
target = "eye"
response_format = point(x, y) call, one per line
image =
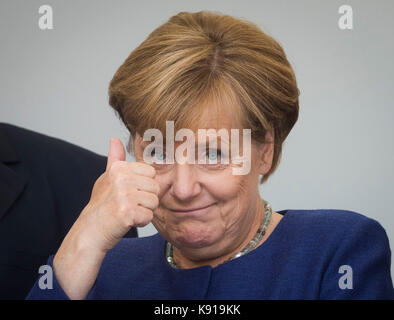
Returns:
point(213, 155)
point(160, 155)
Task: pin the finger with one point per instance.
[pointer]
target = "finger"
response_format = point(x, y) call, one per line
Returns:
point(143, 169)
point(116, 152)
point(146, 184)
point(144, 217)
point(147, 200)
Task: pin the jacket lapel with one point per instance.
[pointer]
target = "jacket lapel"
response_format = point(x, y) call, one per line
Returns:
point(11, 183)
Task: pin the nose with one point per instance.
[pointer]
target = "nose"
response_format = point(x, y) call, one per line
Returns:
point(185, 185)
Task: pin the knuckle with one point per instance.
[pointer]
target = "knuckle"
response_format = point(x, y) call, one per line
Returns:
point(154, 200)
point(151, 171)
point(119, 181)
point(124, 209)
point(147, 169)
point(136, 166)
point(143, 218)
point(128, 215)
point(123, 182)
point(116, 167)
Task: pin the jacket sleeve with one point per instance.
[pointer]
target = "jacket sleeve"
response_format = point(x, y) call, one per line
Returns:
point(360, 267)
point(47, 286)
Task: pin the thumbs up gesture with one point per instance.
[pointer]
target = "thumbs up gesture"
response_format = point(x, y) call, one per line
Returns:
point(124, 196)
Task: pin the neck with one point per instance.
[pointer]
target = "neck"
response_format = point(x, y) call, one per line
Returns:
point(184, 262)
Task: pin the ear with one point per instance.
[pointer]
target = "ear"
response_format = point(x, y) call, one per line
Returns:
point(266, 152)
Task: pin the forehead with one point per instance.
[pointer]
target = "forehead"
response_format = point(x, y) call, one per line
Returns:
point(209, 119)
point(214, 116)
point(208, 115)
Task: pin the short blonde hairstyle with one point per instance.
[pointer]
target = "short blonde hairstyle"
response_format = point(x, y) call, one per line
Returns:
point(207, 56)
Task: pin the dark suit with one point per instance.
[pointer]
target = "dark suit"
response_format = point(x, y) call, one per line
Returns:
point(44, 185)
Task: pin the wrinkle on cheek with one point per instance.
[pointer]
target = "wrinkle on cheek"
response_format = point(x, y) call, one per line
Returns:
point(242, 201)
point(161, 214)
point(232, 218)
point(159, 220)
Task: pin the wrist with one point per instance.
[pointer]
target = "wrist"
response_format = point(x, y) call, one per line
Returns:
point(76, 266)
point(79, 246)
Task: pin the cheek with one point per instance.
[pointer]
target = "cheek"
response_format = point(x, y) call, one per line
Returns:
point(238, 195)
point(229, 187)
point(223, 188)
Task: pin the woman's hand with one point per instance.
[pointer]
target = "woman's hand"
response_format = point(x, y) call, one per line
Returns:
point(124, 196)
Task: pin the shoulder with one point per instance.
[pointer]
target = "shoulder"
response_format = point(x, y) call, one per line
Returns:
point(332, 230)
point(333, 221)
point(333, 240)
point(32, 148)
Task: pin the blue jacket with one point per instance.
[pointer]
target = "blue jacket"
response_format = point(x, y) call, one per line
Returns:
point(311, 254)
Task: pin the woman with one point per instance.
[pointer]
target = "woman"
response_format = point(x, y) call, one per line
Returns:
point(217, 238)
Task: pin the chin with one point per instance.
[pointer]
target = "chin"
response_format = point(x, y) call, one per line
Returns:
point(193, 239)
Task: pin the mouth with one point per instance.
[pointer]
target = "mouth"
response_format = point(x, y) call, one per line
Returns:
point(198, 210)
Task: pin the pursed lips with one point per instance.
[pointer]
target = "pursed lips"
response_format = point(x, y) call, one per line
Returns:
point(198, 209)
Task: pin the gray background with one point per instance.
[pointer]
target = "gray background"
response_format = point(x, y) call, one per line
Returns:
point(340, 153)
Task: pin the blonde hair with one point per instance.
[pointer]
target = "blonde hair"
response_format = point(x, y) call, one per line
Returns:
point(207, 56)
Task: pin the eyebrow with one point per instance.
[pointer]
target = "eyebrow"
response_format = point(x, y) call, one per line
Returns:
point(208, 141)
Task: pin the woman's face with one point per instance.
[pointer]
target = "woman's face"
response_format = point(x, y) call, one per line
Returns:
point(228, 204)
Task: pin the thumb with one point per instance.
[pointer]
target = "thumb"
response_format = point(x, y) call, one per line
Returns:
point(116, 152)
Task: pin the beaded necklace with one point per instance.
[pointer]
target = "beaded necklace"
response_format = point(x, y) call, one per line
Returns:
point(249, 247)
